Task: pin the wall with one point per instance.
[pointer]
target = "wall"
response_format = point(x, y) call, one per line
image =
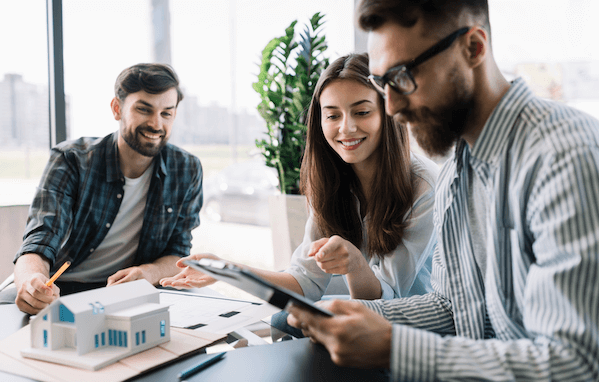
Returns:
point(12, 225)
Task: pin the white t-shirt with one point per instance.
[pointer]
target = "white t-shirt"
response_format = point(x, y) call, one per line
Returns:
point(403, 273)
point(117, 250)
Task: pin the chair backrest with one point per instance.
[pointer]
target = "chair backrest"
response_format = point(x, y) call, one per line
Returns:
point(12, 225)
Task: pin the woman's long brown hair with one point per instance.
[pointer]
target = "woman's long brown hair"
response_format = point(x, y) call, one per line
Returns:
point(331, 185)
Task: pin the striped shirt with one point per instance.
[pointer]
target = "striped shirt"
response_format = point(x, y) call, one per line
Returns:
point(81, 191)
point(534, 315)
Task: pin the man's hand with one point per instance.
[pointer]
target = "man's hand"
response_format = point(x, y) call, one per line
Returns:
point(153, 272)
point(190, 277)
point(126, 275)
point(356, 336)
point(31, 275)
point(336, 255)
point(33, 295)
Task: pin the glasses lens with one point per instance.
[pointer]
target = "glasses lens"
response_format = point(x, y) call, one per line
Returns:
point(402, 81)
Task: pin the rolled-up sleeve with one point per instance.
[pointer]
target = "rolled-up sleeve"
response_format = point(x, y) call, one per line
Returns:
point(308, 274)
point(50, 214)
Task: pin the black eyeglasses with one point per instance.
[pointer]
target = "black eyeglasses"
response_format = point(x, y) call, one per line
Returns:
point(400, 77)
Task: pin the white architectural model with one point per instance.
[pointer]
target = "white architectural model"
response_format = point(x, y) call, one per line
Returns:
point(93, 329)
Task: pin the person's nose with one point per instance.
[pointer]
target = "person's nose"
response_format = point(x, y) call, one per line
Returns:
point(394, 102)
point(348, 125)
point(155, 121)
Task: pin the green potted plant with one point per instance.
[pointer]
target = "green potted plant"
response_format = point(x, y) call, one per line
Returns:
point(288, 74)
point(289, 71)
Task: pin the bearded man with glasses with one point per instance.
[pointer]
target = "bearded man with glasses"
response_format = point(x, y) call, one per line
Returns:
point(516, 268)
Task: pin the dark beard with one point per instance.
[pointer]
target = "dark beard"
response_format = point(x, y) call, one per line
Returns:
point(437, 131)
point(148, 150)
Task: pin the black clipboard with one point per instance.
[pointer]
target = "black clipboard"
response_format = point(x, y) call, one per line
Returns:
point(254, 284)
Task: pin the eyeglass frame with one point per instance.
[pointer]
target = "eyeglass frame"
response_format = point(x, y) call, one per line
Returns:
point(439, 47)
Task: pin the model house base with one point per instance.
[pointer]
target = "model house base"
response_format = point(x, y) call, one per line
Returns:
point(93, 329)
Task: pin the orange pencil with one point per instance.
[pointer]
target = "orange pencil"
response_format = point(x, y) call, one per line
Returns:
point(58, 273)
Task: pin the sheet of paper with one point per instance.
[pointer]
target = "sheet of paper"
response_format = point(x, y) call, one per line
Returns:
point(182, 341)
point(212, 314)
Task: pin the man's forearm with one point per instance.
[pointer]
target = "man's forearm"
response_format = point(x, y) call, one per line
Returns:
point(160, 268)
point(28, 264)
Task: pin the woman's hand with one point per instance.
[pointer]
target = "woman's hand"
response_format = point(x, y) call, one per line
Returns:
point(190, 277)
point(338, 256)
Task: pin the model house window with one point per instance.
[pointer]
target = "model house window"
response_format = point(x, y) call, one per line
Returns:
point(103, 339)
point(65, 315)
point(137, 339)
point(97, 340)
point(45, 338)
point(143, 336)
point(162, 328)
point(45, 317)
point(120, 338)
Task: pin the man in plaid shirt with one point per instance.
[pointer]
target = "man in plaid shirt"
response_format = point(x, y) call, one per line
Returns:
point(121, 207)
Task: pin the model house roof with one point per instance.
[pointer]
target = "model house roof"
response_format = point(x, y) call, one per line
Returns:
point(80, 302)
point(137, 311)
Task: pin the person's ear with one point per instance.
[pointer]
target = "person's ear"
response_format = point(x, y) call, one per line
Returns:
point(115, 106)
point(477, 46)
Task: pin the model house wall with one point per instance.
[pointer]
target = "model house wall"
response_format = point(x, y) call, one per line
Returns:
point(112, 323)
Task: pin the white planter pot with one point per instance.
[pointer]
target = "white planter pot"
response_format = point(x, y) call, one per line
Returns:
point(288, 216)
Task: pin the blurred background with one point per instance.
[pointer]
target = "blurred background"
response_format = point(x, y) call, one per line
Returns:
point(215, 47)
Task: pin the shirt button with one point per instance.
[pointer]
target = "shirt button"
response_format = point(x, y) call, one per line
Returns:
point(119, 196)
point(91, 250)
point(169, 210)
point(107, 225)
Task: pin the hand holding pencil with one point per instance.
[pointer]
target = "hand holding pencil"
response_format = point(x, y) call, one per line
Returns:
point(58, 273)
point(35, 290)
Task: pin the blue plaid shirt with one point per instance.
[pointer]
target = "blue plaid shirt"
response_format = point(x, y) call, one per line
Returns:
point(81, 191)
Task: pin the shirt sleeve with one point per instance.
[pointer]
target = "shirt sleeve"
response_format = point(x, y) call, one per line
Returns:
point(407, 270)
point(561, 294)
point(308, 274)
point(189, 214)
point(50, 214)
point(431, 311)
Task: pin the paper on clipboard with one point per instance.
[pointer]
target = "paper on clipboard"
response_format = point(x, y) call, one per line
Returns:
point(210, 313)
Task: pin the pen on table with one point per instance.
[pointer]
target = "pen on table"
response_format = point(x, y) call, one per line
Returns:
point(202, 365)
point(58, 273)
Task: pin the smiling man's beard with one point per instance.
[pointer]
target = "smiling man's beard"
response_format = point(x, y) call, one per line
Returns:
point(437, 131)
point(149, 149)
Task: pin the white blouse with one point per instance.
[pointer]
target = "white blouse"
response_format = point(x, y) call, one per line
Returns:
point(407, 270)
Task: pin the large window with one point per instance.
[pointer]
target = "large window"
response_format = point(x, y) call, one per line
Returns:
point(551, 44)
point(24, 128)
point(215, 47)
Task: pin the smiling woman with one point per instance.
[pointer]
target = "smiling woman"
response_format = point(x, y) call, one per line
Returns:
point(351, 123)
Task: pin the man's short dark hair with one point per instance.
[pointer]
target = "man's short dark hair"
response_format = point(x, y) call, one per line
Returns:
point(371, 14)
point(151, 78)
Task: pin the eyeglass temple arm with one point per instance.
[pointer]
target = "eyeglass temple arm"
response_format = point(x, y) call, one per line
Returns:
point(441, 46)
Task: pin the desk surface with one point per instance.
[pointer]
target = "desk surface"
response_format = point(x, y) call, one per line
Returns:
point(287, 361)
point(294, 360)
